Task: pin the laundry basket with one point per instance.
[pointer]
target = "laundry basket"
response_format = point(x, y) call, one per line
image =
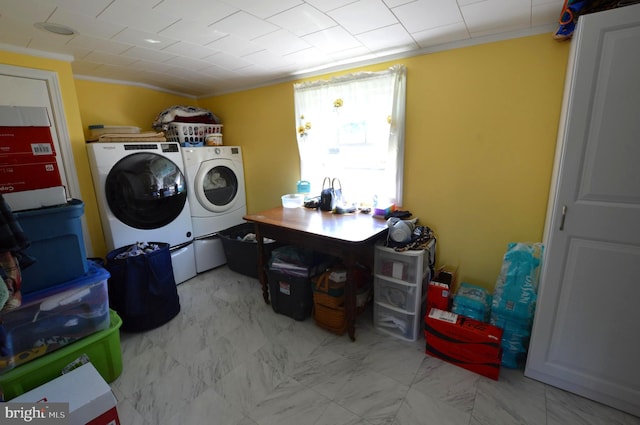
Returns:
point(142, 289)
point(193, 134)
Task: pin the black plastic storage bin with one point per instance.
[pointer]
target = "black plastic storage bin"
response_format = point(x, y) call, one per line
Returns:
point(142, 289)
point(290, 295)
point(242, 256)
point(289, 275)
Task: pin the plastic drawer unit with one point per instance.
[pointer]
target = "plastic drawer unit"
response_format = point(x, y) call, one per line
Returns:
point(400, 291)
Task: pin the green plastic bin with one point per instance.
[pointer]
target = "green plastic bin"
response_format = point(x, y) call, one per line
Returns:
point(102, 348)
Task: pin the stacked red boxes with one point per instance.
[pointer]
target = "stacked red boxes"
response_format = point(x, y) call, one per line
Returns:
point(437, 296)
point(464, 342)
point(27, 154)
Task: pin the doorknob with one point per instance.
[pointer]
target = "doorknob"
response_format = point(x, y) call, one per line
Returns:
point(564, 215)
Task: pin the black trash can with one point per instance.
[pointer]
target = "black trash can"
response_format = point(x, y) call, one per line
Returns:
point(142, 289)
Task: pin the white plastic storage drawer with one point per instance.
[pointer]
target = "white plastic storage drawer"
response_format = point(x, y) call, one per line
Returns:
point(401, 296)
point(408, 266)
point(400, 324)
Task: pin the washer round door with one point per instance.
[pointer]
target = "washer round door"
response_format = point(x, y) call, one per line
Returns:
point(218, 185)
point(146, 190)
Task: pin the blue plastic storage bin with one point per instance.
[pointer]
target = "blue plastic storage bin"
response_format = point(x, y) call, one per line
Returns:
point(57, 244)
point(54, 317)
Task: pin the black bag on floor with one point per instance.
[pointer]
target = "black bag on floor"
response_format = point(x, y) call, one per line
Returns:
point(142, 289)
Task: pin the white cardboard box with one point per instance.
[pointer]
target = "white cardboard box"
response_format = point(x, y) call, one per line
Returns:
point(24, 116)
point(36, 198)
point(90, 399)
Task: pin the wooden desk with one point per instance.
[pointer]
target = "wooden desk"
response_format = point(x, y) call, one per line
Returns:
point(350, 237)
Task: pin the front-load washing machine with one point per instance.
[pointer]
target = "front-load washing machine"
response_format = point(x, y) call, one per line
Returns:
point(142, 197)
point(215, 177)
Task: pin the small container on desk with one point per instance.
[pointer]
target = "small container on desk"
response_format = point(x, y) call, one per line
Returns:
point(400, 290)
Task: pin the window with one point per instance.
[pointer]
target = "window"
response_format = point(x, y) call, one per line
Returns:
point(352, 127)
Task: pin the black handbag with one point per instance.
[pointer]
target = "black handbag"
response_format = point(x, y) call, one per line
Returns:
point(330, 195)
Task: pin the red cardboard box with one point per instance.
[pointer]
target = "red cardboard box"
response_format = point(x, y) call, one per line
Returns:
point(18, 178)
point(437, 296)
point(26, 140)
point(461, 328)
point(463, 341)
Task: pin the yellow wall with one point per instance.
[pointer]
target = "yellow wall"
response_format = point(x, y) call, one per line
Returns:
point(116, 104)
point(480, 137)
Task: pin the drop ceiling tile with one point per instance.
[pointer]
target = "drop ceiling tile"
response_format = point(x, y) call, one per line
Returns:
point(139, 38)
point(332, 40)
point(190, 50)
point(205, 12)
point(281, 42)
point(364, 15)
point(192, 32)
point(152, 55)
point(481, 18)
point(90, 8)
point(327, 5)
point(393, 36)
point(441, 35)
point(187, 63)
point(48, 44)
point(93, 43)
point(85, 24)
point(309, 58)
point(267, 60)
point(396, 3)
point(264, 9)
point(227, 62)
point(108, 58)
point(136, 15)
point(303, 20)
point(235, 45)
point(28, 11)
point(425, 14)
point(244, 25)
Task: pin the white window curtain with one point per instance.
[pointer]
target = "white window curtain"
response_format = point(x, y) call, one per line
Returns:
point(352, 127)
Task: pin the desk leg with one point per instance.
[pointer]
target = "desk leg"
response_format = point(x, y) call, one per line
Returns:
point(350, 296)
point(262, 262)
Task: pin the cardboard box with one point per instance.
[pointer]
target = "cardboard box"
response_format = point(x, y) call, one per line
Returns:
point(26, 140)
point(437, 296)
point(464, 342)
point(24, 116)
point(90, 399)
point(18, 178)
point(461, 328)
point(36, 198)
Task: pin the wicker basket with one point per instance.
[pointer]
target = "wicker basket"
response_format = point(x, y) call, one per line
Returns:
point(193, 134)
point(327, 292)
point(330, 318)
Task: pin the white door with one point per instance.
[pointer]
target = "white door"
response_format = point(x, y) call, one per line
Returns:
point(586, 334)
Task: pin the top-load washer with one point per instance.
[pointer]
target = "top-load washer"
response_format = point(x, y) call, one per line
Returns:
point(215, 177)
point(141, 191)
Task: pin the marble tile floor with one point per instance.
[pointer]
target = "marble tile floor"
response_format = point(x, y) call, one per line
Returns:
point(228, 359)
